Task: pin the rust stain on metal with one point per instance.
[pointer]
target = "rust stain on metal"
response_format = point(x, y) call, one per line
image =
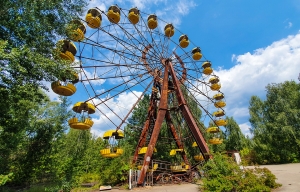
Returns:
point(188, 116)
point(163, 105)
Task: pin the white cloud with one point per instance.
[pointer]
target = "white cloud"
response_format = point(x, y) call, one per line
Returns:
point(184, 6)
point(275, 63)
point(245, 129)
point(173, 13)
point(289, 25)
point(168, 10)
point(233, 57)
point(119, 105)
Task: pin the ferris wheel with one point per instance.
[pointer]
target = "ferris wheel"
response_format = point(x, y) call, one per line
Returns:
point(121, 56)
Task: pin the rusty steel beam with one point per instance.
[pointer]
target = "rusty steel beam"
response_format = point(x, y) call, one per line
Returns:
point(175, 136)
point(183, 76)
point(142, 140)
point(187, 114)
point(162, 109)
point(145, 51)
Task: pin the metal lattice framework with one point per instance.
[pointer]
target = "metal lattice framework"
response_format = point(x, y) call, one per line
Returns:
point(123, 54)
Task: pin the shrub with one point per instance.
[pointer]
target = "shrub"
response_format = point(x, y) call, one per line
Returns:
point(223, 174)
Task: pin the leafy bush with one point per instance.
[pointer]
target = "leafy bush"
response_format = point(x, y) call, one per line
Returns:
point(223, 174)
point(5, 178)
point(89, 178)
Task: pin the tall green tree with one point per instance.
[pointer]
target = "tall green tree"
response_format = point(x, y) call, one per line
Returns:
point(275, 123)
point(235, 139)
point(28, 33)
point(36, 24)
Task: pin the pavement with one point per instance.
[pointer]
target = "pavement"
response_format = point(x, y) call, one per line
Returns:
point(288, 175)
point(186, 187)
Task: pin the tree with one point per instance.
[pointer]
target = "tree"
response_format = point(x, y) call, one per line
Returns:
point(275, 124)
point(235, 139)
point(28, 31)
point(36, 24)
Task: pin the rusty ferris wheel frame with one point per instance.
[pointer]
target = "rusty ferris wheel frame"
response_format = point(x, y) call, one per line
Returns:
point(130, 57)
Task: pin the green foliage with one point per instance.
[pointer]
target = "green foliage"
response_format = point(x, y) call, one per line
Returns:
point(30, 123)
point(5, 178)
point(235, 139)
point(36, 24)
point(223, 174)
point(275, 124)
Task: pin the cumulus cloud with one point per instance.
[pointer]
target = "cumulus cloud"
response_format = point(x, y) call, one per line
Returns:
point(168, 10)
point(107, 118)
point(275, 63)
point(245, 129)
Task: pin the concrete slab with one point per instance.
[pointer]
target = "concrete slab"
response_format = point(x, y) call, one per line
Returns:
point(287, 174)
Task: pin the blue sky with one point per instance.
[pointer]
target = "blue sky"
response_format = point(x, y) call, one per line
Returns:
point(250, 44)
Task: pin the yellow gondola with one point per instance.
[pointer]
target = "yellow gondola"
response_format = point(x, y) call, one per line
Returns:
point(83, 125)
point(184, 41)
point(199, 157)
point(84, 106)
point(114, 14)
point(66, 87)
point(218, 113)
point(67, 50)
point(143, 150)
point(64, 90)
point(93, 18)
point(214, 80)
point(218, 96)
point(113, 133)
point(194, 144)
point(215, 141)
point(182, 168)
point(111, 153)
point(112, 150)
point(174, 151)
point(134, 15)
point(169, 30)
point(221, 122)
point(220, 104)
point(213, 130)
point(215, 87)
point(152, 21)
point(76, 30)
point(85, 122)
point(178, 168)
point(197, 55)
point(207, 70)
